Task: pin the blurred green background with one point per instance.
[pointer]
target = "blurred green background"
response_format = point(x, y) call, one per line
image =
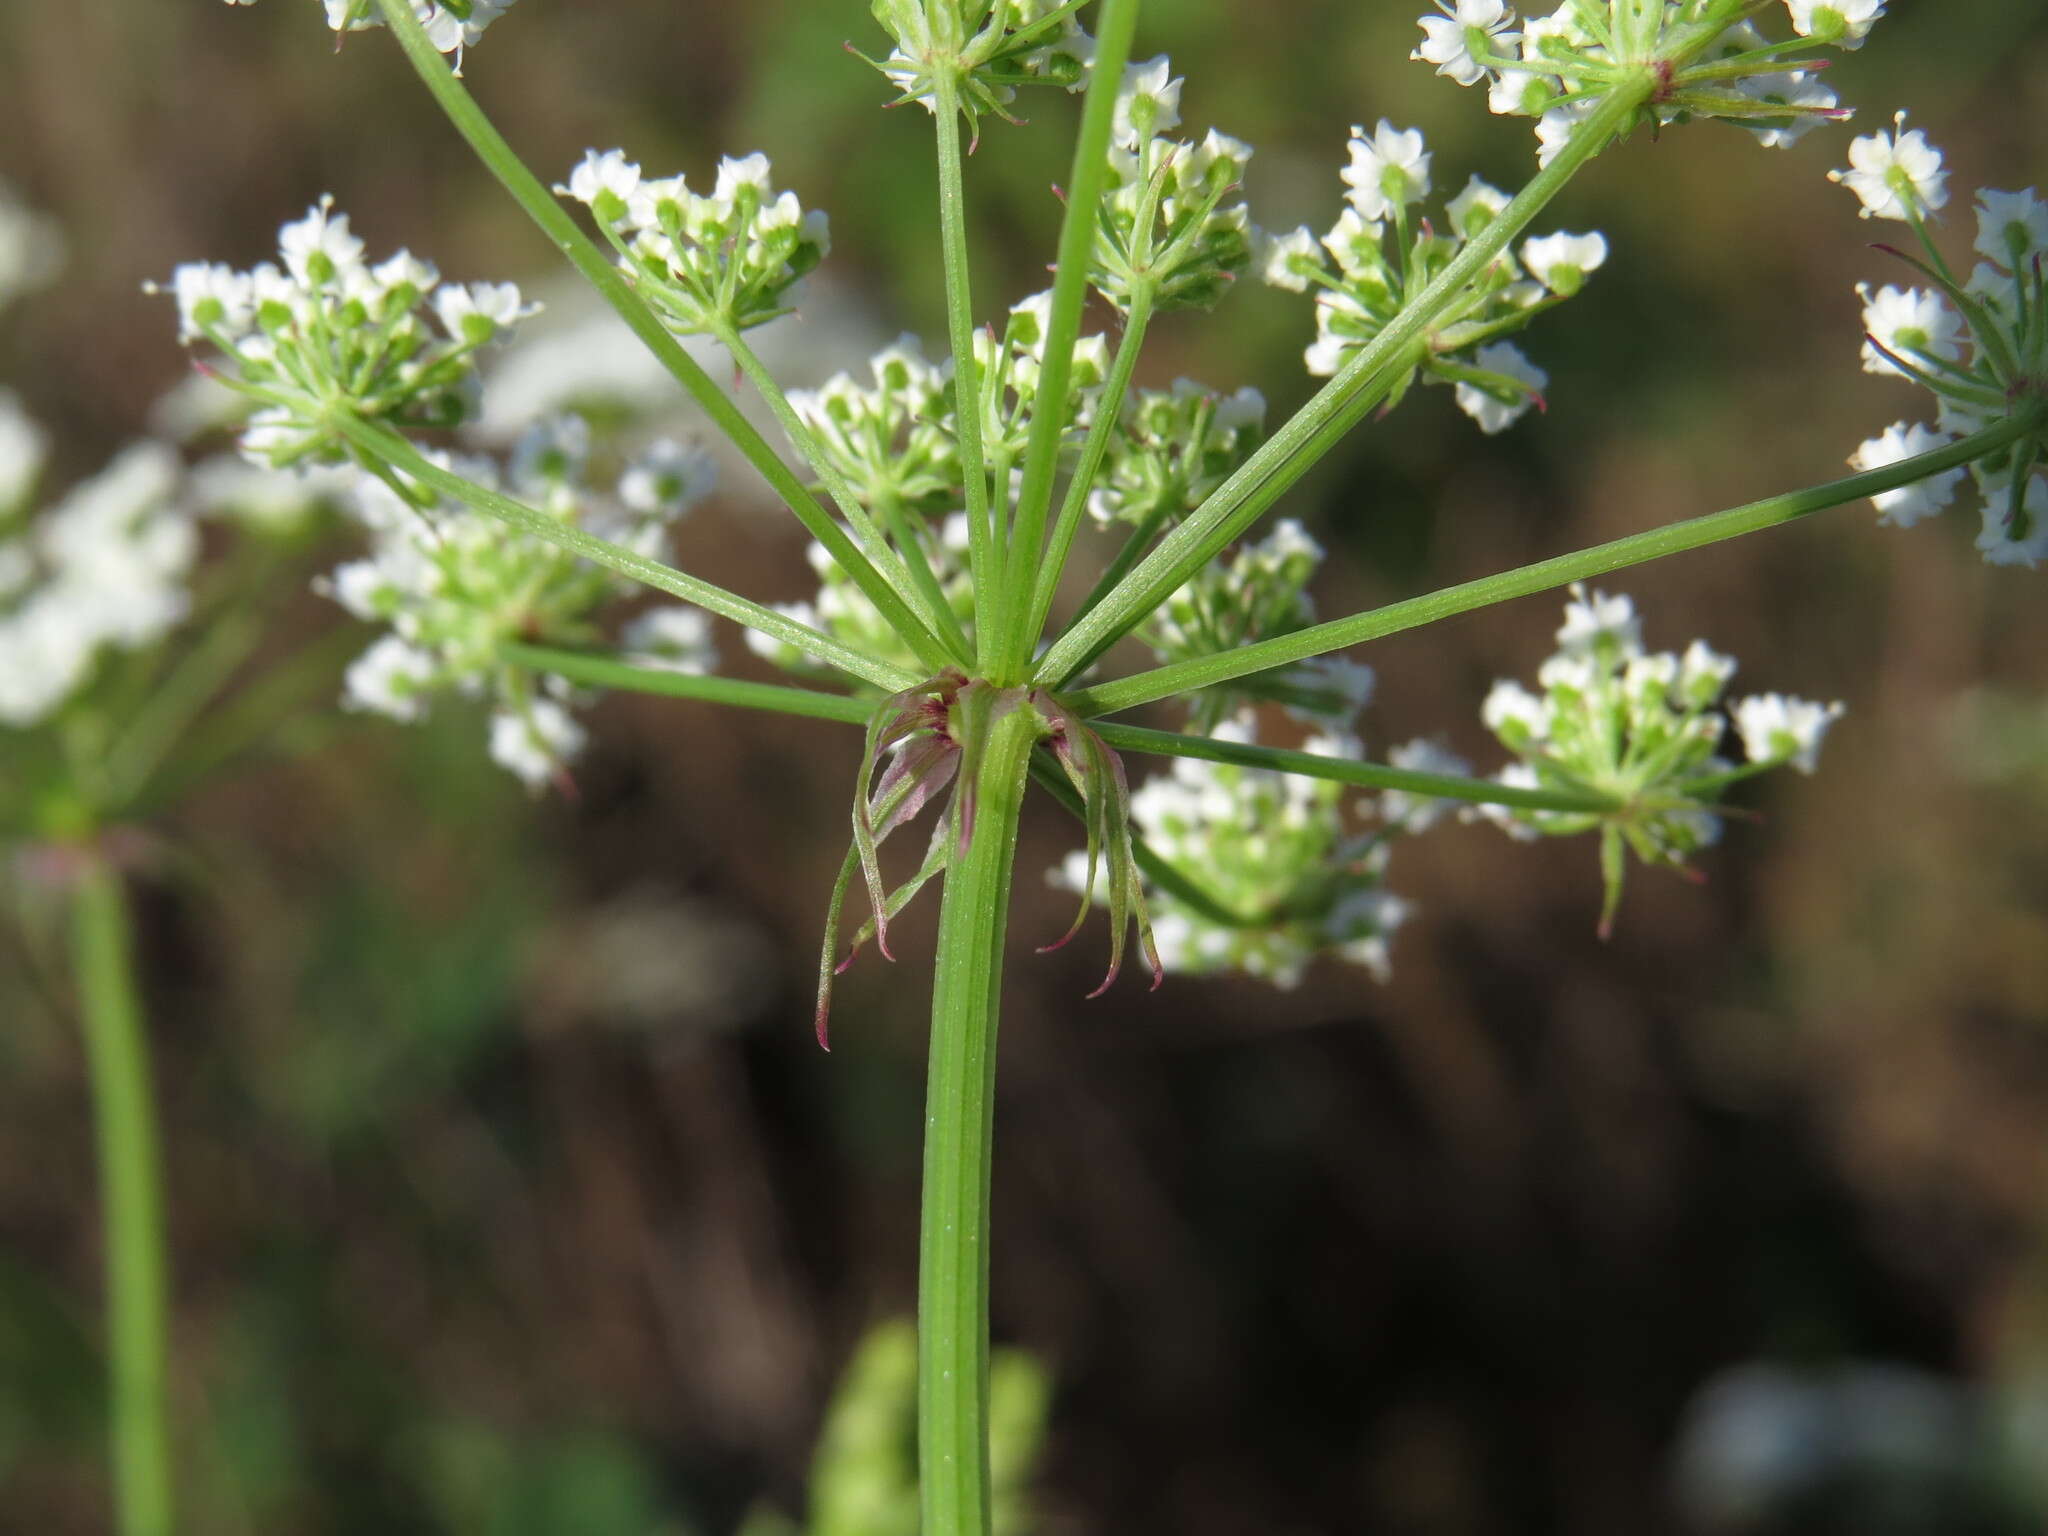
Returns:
point(508, 1191)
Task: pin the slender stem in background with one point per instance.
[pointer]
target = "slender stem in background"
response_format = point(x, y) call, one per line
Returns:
point(1617, 554)
point(583, 253)
point(380, 442)
point(130, 1199)
point(1115, 23)
point(982, 554)
point(1363, 381)
point(952, 1282)
point(906, 529)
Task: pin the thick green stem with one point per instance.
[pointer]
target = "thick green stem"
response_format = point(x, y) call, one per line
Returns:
point(952, 1287)
point(1115, 24)
point(1617, 554)
point(1363, 381)
point(983, 554)
point(540, 206)
point(131, 1203)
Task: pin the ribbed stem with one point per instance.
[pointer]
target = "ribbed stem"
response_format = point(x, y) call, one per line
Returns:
point(952, 1288)
point(131, 1204)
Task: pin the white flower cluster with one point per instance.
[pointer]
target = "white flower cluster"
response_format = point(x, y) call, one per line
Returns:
point(1980, 346)
point(1164, 223)
point(454, 585)
point(987, 47)
point(104, 569)
point(450, 25)
point(1270, 848)
point(1554, 68)
point(331, 334)
point(1010, 368)
point(31, 247)
point(844, 612)
point(706, 263)
point(1641, 729)
point(1383, 255)
point(891, 440)
point(1258, 592)
point(1171, 448)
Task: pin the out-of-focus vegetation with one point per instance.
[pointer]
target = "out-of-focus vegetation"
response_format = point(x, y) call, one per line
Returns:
point(508, 1193)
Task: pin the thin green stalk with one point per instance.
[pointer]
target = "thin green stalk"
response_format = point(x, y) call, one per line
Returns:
point(1023, 568)
point(131, 1202)
point(380, 442)
point(609, 672)
point(1363, 381)
point(1094, 448)
point(983, 555)
point(1617, 554)
point(890, 562)
point(952, 1285)
point(897, 523)
point(1130, 738)
point(542, 207)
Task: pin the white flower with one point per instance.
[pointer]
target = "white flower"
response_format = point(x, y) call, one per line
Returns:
point(667, 477)
point(1906, 322)
point(1412, 812)
point(1515, 714)
point(31, 248)
point(1592, 623)
point(604, 182)
point(1487, 406)
point(1387, 171)
point(22, 448)
point(534, 742)
point(1285, 261)
point(391, 678)
point(2021, 540)
point(1906, 505)
point(1147, 104)
point(1776, 728)
point(2011, 226)
point(1561, 262)
point(1447, 39)
point(1555, 128)
point(319, 248)
point(1702, 673)
point(473, 313)
point(1475, 208)
point(1845, 23)
point(673, 638)
point(1897, 175)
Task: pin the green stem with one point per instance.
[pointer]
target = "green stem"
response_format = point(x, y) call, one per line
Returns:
point(1130, 738)
point(1108, 410)
point(899, 525)
point(609, 672)
point(982, 554)
point(1618, 554)
point(952, 1287)
point(1363, 381)
point(1023, 570)
point(583, 253)
point(380, 442)
point(130, 1199)
point(934, 651)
